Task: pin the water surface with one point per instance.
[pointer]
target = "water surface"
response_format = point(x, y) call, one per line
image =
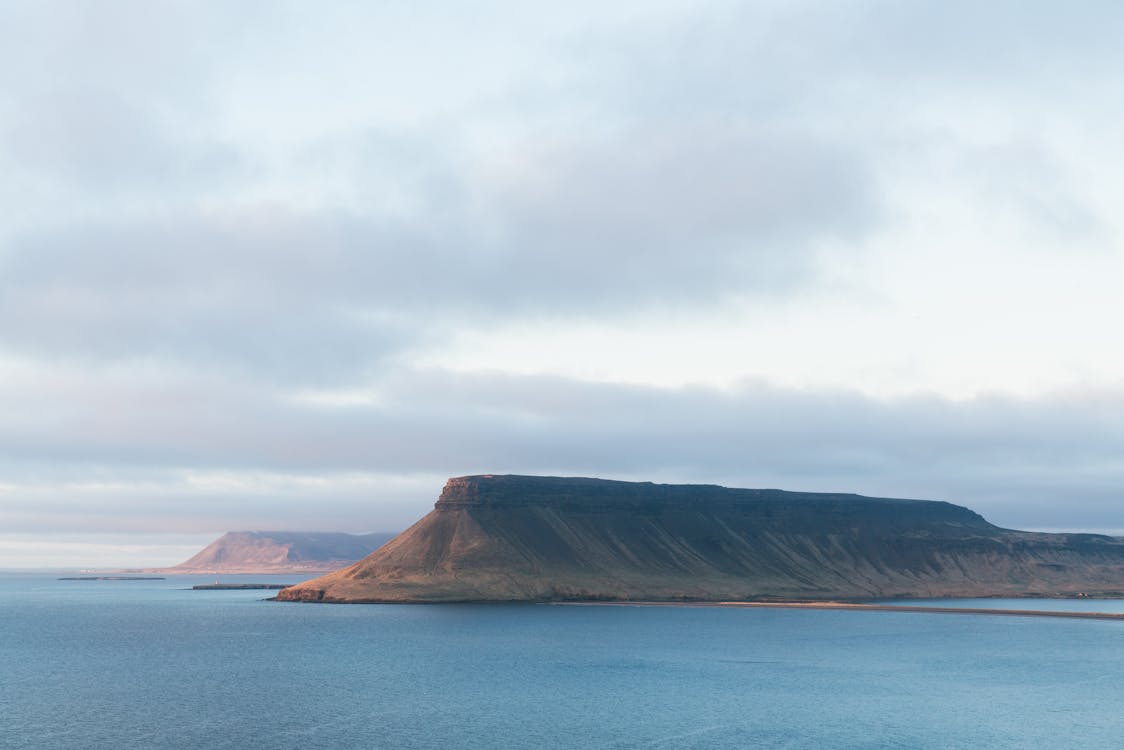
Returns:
point(148, 664)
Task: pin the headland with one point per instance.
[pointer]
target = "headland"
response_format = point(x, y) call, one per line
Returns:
point(519, 538)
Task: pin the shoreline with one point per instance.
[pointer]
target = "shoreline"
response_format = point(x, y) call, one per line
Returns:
point(852, 606)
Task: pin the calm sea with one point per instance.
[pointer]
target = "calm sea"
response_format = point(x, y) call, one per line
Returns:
point(149, 664)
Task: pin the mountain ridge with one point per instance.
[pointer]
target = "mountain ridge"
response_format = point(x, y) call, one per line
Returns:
point(280, 552)
point(518, 538)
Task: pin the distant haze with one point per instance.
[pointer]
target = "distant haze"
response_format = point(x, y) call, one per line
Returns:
point(289, 266)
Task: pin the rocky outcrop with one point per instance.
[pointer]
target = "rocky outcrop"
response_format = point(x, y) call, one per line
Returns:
point(513, 538)
point(281, 552)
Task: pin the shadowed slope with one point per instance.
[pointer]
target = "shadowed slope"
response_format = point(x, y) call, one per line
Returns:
point(505, 538)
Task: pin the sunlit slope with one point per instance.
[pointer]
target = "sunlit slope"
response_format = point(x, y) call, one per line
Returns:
point(281, 551)
point(512, 538)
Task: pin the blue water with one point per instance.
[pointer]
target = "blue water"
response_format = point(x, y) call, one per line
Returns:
point(1110, 606)
point(147, 664)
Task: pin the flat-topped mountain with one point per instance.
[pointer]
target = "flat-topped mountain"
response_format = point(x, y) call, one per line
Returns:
point(515, 538)
point(281, 552)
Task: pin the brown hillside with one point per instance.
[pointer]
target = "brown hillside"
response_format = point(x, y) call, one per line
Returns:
point(280, 552)
point(511, 538)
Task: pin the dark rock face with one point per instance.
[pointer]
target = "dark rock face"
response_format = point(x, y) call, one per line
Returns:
point(804, 511)
point(509, 538)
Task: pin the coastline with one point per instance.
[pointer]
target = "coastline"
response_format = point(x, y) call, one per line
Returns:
point(852, 606)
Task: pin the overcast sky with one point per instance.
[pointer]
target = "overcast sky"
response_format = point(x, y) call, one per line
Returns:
point(291, 265)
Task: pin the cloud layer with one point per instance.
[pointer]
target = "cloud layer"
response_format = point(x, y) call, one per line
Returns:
point(145, 454)
point(262, 259)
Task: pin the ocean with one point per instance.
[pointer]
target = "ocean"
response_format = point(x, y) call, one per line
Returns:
point(152, 664)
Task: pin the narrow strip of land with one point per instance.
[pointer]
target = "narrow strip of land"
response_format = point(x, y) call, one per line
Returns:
point(238, 586)
point(871, 608)
point(111, 578)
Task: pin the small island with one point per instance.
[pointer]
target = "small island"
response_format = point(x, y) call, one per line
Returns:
point(112, 578)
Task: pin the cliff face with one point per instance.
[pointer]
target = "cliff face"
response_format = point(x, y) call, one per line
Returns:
point(281, 552)
point(511, 538)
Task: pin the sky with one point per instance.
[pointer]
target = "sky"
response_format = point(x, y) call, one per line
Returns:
point(281, 265)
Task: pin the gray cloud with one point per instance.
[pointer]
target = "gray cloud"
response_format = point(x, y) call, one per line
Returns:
point(325, 296)
point(103, 103)
point(101, 143)
point(660, 211)
point(1051, 462)
point(692, 211)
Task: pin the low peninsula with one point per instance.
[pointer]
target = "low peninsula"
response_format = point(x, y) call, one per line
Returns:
point(519, 538)
point(278, 553)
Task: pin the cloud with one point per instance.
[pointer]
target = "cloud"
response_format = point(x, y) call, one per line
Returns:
point(708, 155)
point(1050, 462)
point(678, 214)
point(107, 106)
point(167, 222)
point(233, 233)
point(585, 230)
point(100, 143)
point(26, 552)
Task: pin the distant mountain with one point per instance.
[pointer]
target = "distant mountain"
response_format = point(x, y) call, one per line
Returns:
point(281, 552)
point(513, 538)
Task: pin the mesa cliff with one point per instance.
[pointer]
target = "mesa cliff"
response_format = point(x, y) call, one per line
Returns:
point(515, 538)
point(280, 552)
